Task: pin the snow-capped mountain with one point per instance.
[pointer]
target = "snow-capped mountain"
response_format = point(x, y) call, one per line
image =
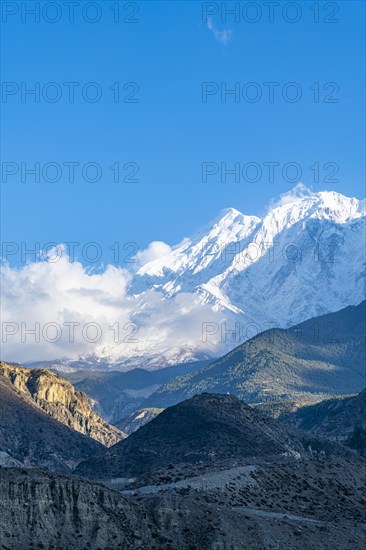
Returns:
point(237, 276)
point(302, 259)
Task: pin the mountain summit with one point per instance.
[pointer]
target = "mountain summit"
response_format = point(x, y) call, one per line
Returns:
point(301, 260)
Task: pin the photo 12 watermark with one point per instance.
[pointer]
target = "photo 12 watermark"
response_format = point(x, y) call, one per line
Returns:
point(234, 253)
point(122, 12)
point(268, 171)
point(235, 333)
point(72, 92)
point(90, 252)
point(269, 92)
point(69, 171)
point(244, 254)
point(271, 12)
point(68, 331)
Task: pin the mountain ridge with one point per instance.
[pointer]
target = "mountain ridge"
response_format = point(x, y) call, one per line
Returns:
point(208, 430)
point(342, 419)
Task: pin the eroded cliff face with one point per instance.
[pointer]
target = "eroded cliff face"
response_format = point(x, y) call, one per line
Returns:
point(59, 399)
point(41, 510)
point(57, 512)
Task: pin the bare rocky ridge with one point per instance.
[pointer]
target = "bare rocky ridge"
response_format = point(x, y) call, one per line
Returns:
point(297, 505)
point(48, 511)
point(59, 399)
point(212, 474)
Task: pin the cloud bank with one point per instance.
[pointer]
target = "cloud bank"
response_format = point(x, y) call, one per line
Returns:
point(60, 309)
point(155, 250)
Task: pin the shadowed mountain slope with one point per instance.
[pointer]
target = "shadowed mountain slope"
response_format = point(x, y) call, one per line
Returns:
point(319, 358)
point(342, 419)
point(114, 395)
point(208, 429)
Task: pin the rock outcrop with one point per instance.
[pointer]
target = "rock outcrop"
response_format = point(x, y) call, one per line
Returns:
point(30, 437)
point(59, 399)
point(290, 507)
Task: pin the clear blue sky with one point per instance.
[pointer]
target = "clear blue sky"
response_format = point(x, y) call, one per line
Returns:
point(169, 132)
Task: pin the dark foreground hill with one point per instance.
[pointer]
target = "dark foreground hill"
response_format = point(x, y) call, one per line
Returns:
point(212, 472)
point(320, 358)
point(211, 430)
point(341, 419)
point(288, 507)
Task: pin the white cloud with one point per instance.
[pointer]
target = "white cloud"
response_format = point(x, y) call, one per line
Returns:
point(155, 250)
point(55, 294)
point(224, 37)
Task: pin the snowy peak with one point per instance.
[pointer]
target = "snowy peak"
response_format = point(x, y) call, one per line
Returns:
point(301, 259)
point(231, 232)
point(229, 217)
point(327, 205)
point(231, 226)
point(229, 214)
point(323, 205)
point(240, 275)
point(338, 208)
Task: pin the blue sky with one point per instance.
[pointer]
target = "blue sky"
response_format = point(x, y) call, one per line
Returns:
point(169, 132)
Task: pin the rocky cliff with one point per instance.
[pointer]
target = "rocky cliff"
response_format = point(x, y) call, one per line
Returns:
point(59, 399)
point(44, 510)
point(30, 437)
